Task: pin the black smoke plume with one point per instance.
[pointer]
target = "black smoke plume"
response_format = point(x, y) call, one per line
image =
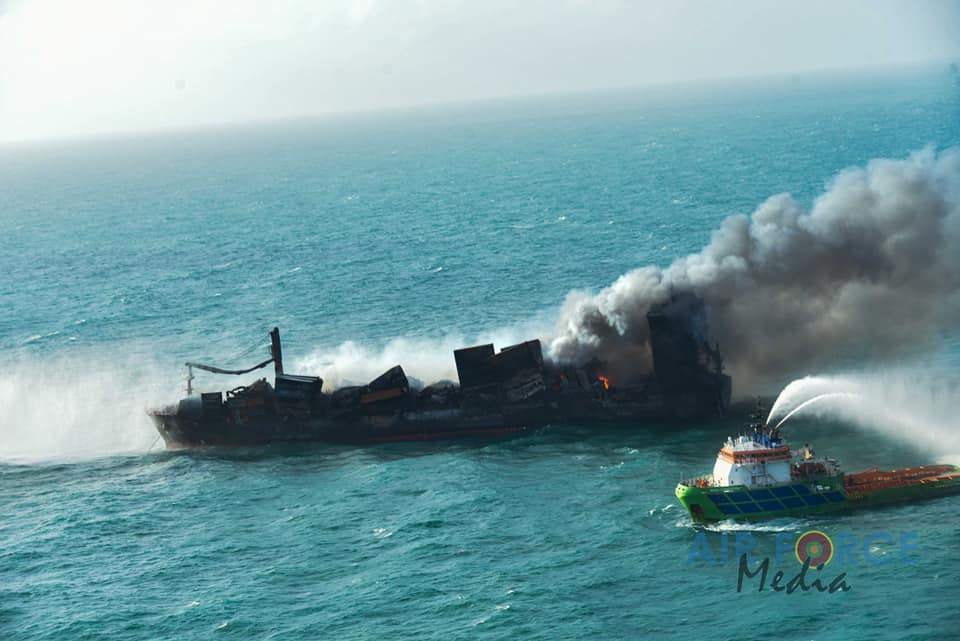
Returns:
point(870, 273)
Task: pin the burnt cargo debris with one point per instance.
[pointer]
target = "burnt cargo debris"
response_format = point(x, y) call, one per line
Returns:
point(499, 393)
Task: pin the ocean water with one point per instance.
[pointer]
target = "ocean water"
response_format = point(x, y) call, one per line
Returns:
point(377, 239)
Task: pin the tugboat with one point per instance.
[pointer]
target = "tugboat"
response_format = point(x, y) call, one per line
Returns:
point(757, 476)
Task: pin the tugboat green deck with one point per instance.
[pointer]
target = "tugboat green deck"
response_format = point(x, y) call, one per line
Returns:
point(758, 477)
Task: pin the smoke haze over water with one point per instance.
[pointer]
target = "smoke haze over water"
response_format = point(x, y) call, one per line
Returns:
point(870, 272)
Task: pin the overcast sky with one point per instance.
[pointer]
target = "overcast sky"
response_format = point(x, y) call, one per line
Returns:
point(72, 67)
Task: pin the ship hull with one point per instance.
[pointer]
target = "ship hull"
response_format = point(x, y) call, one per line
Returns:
point(873, 488)
point(260, 419)
point(179, 431)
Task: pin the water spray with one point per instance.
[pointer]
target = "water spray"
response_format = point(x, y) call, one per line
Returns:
point(817, 399)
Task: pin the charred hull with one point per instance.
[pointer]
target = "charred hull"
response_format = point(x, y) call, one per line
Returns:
point(499, 393)
point(190, 423)
point(238, 422)
point(181, 428)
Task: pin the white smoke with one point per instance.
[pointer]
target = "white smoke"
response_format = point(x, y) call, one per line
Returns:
point(871, 271)
point(353, 364)
point(65, 408)
point(427, 360)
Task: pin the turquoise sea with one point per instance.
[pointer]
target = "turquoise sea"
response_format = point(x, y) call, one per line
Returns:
point(383, 238)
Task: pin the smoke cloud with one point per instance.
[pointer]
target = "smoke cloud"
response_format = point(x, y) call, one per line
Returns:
point(426, 360)
point(870, 273)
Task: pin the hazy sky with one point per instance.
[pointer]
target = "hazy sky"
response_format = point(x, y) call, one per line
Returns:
point(72, 67)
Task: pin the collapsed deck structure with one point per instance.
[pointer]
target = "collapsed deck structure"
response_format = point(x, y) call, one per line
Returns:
point(499, 393)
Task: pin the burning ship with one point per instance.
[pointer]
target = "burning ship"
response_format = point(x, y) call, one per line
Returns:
point(499, 393)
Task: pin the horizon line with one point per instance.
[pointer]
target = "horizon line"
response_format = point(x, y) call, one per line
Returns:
point(408, 108)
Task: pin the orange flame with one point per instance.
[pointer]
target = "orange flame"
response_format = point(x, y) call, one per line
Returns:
point(605, 381)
